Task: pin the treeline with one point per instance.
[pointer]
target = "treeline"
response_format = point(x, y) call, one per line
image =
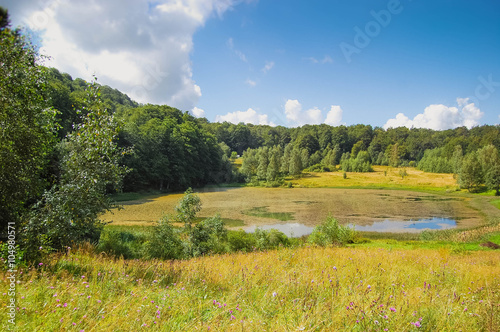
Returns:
point(394, 146)
point(167, 149)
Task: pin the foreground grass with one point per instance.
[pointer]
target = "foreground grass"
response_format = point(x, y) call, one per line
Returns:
point(307, 289)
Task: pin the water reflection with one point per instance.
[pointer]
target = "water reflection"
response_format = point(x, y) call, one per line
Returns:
point(408, 226)
point(289, 229)
point(392, 226)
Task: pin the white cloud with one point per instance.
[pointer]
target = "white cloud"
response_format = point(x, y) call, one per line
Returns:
point(241, 55)
point(298, 117)
point(326, 59)
point(137, 46)
point(251, 83)
point(334, 117)
point(269, 65)
point(198, 112)
point(248, 116)
point(441, 117)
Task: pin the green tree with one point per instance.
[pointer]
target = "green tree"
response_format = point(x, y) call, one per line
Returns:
point(69, 212)
point(263, 156)
point(273, 167)
point(295, 164)
point(187, 208)
point(470, 176)
point(27, 125)
point(457, 159)
point(490, 165)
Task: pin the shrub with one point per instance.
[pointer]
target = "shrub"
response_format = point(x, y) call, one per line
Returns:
point(116, 243)
point(241, 241)
point(165, 242)
point(270, 239)
point(331, 232)
point(208, 236)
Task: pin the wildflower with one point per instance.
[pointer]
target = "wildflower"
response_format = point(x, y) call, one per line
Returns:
point(335, 268)
point(40, 264)
point(392, 309)
point(274, 294)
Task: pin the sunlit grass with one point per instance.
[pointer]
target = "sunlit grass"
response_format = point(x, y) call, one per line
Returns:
point(382, 177)
point(306, 289)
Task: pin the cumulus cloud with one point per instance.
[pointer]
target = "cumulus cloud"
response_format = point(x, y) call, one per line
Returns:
point(299, 117)
point(138, 46)
point(441, 117)
point(198, 112)
point(248, 116)
point(334, 117)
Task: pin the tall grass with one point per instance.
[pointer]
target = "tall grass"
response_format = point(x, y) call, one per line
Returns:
point(305, 289)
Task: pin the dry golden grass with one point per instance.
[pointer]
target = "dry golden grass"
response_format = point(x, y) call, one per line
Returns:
point(383, 177)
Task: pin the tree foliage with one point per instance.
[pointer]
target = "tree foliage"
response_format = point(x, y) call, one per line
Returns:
point(69, 211)
point(27, 124)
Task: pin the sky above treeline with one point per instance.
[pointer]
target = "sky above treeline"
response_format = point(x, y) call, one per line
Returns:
point(414, 63)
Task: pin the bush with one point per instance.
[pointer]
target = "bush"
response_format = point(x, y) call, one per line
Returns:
point(241, 241)
point(208, 236)
point(270, 239)
point(165, 242)
point(116, 243)
point(330, 232)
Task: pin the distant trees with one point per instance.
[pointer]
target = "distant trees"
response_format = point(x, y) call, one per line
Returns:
point(170, 151)
point(436, 161)
point(480, 167)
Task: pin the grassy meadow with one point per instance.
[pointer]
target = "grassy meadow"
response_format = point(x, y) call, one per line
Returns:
point(435, 281)
point(381, 177)
point(304, 289)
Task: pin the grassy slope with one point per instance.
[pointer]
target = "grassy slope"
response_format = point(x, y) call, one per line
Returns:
point(383, 284)
point(306, 289)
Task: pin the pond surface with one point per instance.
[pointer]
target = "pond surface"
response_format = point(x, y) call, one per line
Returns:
point(289, 229)
point(393, 226)
point(408, 226)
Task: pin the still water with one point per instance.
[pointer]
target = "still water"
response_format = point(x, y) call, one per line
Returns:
point(387, 225)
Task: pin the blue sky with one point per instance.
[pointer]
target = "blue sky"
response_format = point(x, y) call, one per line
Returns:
point(433, 64)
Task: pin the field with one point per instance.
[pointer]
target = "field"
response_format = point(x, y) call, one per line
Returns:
point(304, 289)
point(382, 177)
